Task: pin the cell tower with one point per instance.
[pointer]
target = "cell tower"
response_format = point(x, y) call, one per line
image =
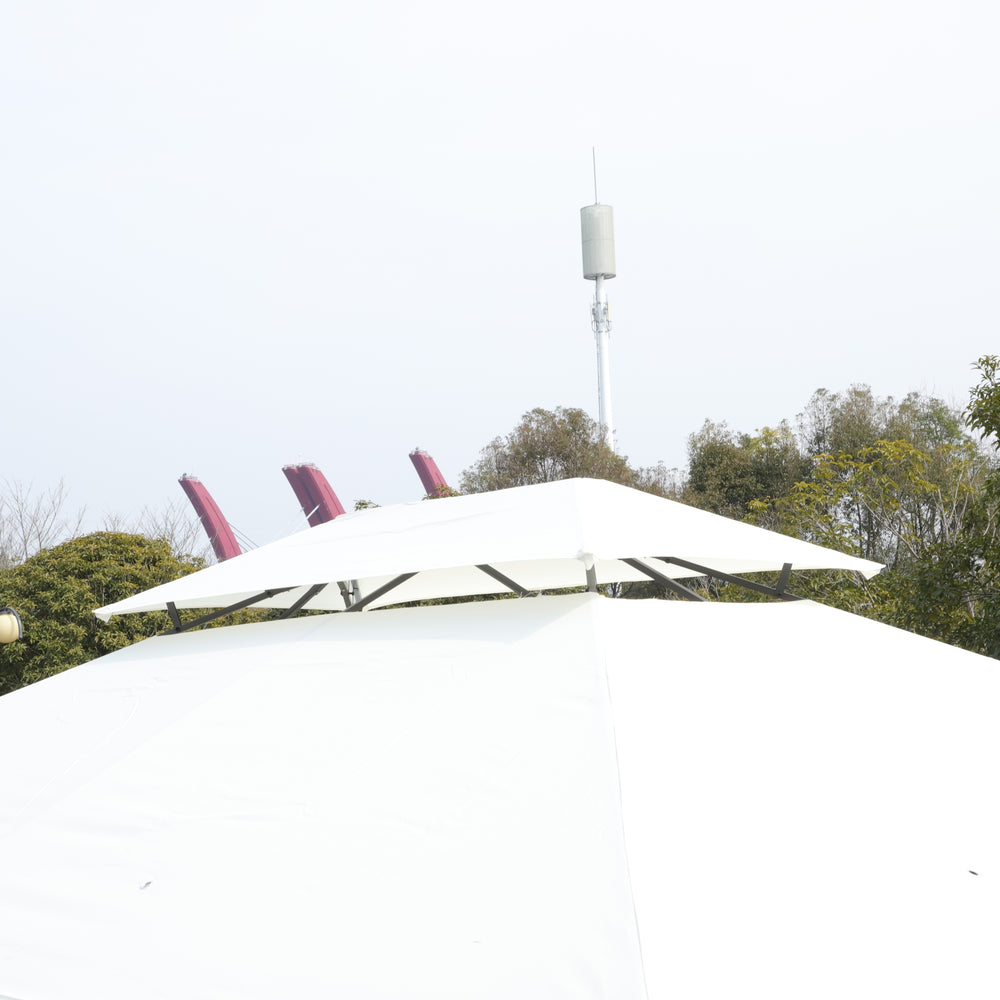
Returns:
point(598, 227)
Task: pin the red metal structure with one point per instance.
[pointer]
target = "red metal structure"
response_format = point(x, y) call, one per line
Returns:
point(430, 475)
point(217, 528)
point(315, 495)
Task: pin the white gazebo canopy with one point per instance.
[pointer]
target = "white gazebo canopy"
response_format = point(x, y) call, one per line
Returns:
point(562, 797)
point(571, 533)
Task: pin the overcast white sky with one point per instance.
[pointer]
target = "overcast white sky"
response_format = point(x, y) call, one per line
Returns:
point(241, 234)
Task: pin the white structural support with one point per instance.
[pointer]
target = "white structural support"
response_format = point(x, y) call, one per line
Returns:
point(601, 322)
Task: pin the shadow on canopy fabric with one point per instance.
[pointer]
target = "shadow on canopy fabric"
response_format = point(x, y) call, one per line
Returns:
point(501, 799)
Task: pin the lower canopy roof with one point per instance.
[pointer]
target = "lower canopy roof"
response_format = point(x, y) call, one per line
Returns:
point(502, 799)
point(571, 533)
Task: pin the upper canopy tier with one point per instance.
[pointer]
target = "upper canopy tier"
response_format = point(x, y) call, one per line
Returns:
point(572, 533)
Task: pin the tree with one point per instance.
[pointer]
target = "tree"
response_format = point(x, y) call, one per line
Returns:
point(547, 445)
point(895, 504)
point(923, 503)
point(888, 502)
point(31, 520)
point(897, 482)
point(983, 412)
point(834, 423)
point(565, 443)
point(176, 524)
point(56, 590)
point(972, 569)
point(728, 471)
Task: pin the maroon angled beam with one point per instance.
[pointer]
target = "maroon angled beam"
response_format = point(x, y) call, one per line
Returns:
point(430, 475)
point(315, 495)
point(301, 493)
point(327, 504)
point(217, 528)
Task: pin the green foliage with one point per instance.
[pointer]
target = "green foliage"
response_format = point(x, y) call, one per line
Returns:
point(887, 503)
point(835, 423)
point(983, 412)
point(727, 471)
point(900, 483)
point(546, 445)
point(56, 591)
point(441, 492)
point(927, 516)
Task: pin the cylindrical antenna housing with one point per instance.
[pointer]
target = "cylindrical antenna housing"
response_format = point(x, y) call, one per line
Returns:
point(598, 227)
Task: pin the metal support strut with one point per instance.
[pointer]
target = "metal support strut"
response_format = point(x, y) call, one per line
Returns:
point(505, 580)
point(379, 591)
point(760, 588)
point(672, 585)
point(180, 626)
point(303, 600)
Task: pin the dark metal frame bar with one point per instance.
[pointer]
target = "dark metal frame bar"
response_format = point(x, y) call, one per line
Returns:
point(174, 617)
point(180, 626)
point(303, 600)
point(345, 593)
point(760, 588)
point(505, 580)
point(380, 591)
point(672, 585)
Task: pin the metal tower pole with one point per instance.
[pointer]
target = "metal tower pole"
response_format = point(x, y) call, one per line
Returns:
point(602, 334)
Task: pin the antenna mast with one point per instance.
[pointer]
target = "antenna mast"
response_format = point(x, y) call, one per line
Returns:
point(598, 231)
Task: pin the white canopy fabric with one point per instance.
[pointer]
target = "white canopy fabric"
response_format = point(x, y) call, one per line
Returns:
point(542, 537)
point(502, 799)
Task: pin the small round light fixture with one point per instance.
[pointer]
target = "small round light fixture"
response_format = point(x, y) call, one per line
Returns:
point(11, 628)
